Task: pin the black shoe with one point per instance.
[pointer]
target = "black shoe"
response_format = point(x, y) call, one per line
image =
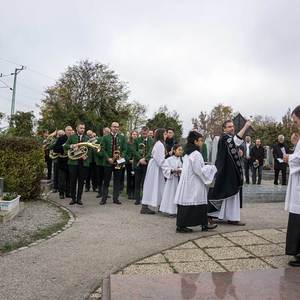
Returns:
point(117, 202)
point(209, 227)
point(137, 202)
point(54, 191)
point(102, 202)
point(276, 183)
point(294, 263)
point(147, 211)
point(61, 196)
point(94, 190)
point(99, 196)
point(72, 202)
point(79, 202)
point(68, 196)
point(259, 183)
point(184, 230)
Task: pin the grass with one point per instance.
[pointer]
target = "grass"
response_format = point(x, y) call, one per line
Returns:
point(40, 233)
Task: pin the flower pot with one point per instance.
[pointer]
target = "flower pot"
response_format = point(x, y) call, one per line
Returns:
point(9, 205)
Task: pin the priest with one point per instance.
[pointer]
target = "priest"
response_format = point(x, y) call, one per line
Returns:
point(292, 200)
point(224, 198)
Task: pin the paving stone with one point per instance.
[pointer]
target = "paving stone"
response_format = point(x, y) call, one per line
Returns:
point(186, 255)
point(198, 267)
point(155, 269)
point(265, 250)
point(278, 261)
point(279, 237)
point(282, 245)
point(213, 242)
point(248, 240)
point(188, 245)
point(283, 229)
point(237, 234)
point(154, 259)
point(235, 265)
point(227, 253)
point(265, 232)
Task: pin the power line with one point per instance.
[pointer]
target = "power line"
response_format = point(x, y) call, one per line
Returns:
point(6, 85)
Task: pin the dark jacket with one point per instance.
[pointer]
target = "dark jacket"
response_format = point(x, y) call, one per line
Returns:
point(58, 148)
point(277, 153)
point(257, 153)
point(170, 143)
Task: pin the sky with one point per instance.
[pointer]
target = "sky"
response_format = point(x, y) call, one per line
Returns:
point(189, 55)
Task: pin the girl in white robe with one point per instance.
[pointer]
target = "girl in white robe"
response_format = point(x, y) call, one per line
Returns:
point(172, 175)
point(292, 204)
point(192, 190)
point(154, 181)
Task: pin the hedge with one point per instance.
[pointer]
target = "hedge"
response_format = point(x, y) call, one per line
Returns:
point(22, 166)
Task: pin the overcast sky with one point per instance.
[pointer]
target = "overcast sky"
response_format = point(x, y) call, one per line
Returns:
point(188, 55)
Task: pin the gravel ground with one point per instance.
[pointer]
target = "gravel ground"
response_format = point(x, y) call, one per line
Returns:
point(36, 216)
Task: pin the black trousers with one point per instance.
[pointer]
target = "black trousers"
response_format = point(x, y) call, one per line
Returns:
point(257, 174)
point(100, 179)
point(140, 174)
point(117, 184)
point(283, 173)
point(293, 235)
point(247, 167)
point(122, 179)
point(55, 175)
point(91, 177)
point(48, 161)
point(130, 176)
point(77, 177)
point(64, 182)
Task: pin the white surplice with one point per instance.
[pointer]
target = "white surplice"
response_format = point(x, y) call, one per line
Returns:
point(154, 181)
point(230, 209)
point(194, 180)
point(167, 204)
point(292, 199)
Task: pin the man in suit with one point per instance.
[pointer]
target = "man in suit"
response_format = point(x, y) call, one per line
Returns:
point(246, 148)
point(140, 162)
point(112, 164)
point(257, 154)
point(279, 150)
point(77, 168)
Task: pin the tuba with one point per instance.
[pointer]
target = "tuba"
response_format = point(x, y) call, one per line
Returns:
point(82, 150)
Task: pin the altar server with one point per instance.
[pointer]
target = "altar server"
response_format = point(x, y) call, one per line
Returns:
point(172, 175)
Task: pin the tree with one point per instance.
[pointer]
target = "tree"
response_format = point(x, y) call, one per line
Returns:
point(88, 92)
point(163, 118)
point(22, 124)
point(210, 123)
point(137, 115)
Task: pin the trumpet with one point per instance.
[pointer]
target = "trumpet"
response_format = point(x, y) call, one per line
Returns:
point(82, 150)
point(117, 158)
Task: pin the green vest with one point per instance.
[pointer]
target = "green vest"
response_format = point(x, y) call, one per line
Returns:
point(73, 139)
point(139, 152)
point(107, 143)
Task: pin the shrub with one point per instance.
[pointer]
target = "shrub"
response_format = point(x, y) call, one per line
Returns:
point(21, 166)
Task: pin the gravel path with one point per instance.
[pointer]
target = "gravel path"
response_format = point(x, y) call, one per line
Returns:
point(36, 216)
point(102, 240)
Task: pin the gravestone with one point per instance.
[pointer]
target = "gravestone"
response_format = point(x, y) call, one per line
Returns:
point(208, 142)
point(214, 149)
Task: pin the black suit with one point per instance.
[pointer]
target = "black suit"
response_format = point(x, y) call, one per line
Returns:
point(257, 153)
point(278, 151)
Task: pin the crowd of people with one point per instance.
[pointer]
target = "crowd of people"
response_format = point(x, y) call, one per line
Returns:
point(175, 179)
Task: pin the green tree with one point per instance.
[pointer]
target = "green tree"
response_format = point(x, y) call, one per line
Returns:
point(88, 92)
point(137, 116)
point(163, 118)
point(22, 124)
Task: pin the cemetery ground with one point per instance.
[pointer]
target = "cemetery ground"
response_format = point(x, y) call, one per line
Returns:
point(115, 239)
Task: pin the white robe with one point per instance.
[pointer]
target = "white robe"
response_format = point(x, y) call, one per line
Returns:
point(230, 209)
point(194, 181)
point(154, 181)
point(167, 204)
point(292, 199)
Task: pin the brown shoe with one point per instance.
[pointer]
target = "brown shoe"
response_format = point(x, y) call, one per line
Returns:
point(236, 223)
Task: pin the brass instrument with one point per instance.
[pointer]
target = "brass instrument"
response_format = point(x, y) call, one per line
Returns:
point(49, 140)
point(92, 140)
point(82, 150)
point(116, 157)
point(142, 150)
point(54, 155)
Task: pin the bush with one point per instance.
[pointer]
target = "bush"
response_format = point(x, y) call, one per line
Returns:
point(21, 166)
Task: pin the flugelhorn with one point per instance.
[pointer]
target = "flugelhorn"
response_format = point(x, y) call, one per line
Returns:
point(82, 149)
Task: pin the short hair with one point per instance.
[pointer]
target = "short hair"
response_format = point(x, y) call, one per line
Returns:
point(296, 111)
point(79, 123)
point(193, 136)
point(169, 128)
point(224, 125)
point(145, 128)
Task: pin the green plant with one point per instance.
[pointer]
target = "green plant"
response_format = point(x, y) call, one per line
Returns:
point(10, 196)
point(21, 166)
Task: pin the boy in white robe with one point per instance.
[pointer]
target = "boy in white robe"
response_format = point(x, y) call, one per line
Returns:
point(172, 175)
point(154, 181)
point(292, 200)
point(192, 190)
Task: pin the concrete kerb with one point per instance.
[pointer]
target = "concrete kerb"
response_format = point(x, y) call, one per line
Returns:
point(65, 227)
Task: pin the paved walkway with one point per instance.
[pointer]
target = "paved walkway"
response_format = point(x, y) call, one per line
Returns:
point(102, 240)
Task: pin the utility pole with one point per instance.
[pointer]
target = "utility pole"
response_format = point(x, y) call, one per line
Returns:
point(13, 99)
